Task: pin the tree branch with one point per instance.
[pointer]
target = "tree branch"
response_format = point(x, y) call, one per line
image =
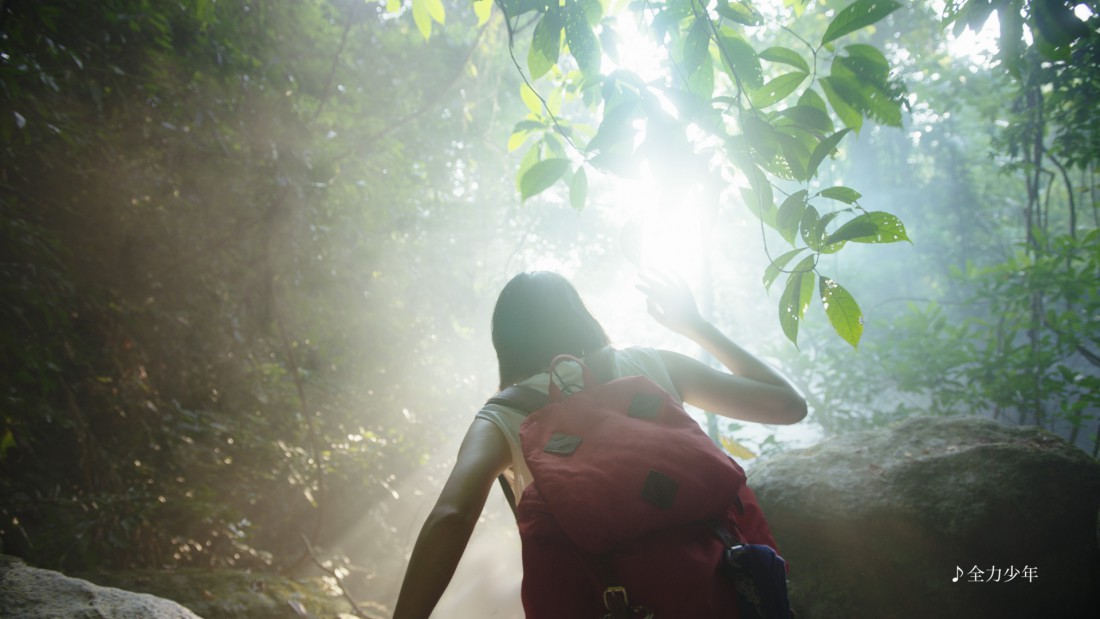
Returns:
point(1069, 192)
point(327, 92)
point(359, 612)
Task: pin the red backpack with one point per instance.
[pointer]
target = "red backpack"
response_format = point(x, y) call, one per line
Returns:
point(633, 512)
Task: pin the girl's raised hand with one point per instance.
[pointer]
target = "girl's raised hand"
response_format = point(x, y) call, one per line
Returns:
point(670, 302)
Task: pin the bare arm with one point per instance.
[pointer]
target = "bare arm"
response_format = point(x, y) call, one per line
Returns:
point(483, 456)
point(752, 390)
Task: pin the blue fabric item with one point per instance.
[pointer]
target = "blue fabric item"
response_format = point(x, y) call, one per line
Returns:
point(760, 576)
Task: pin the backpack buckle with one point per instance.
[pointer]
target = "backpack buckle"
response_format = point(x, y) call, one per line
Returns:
point(618, 605)
point(615, 597)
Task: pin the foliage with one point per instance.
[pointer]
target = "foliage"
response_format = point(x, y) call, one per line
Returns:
point(1000, 321)
point(724, 111)
point(222, 250)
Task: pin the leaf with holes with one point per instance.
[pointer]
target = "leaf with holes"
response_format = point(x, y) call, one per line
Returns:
point(872, 227)
point(793, 302)
point(545, 44)
point(843, 311)
point(582, 42)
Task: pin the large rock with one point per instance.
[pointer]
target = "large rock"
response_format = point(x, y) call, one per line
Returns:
point(881, 523)
point(32, 593)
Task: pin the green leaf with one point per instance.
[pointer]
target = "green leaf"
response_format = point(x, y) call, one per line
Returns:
point(737, 51)
point(843, 194)
point(776, 266)
point(541, 176)
point(861, 79)
point(435, 9)
point(609, 43)
point(553, 102)
point(701, 82)
point(790, 215)
point(616, 130)
point(422, 18)
point(872, 227)
point(517, 139)
point(823, 150)
point(843, 312)
point(528, 125)
point(812, 99)
point(839, 92)
point(809, 118)
point(530, 158)
point(739, 12)
point(483, 9)
point(6, 443)
point(807, 224)
point(859, 14)
point(883, 106)
point(578, 189)
point(867, 62)
point(1057, 23)
point(668, 18)
point(806, 294)
point(393, 6)
point(853, 229)
point(796, 154)
point(788, 307)
point(761, 136)
point(545, 44)
point(819, 235)
point(554, 145)
point(581, 40)
point(530, 99)
point(696, 46)
point(777, 89)
point(793, 302)
point(759, 198)
point(785, 56)
point(592, 9)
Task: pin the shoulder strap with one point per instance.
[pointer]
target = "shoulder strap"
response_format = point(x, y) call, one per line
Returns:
point(526, 399)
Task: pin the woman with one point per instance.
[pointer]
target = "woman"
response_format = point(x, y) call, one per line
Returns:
point(537, 317)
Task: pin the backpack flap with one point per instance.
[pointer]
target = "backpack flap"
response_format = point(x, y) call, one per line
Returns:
point(618, 460)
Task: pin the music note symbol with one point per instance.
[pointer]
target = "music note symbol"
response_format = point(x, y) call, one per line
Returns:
point(958, 574)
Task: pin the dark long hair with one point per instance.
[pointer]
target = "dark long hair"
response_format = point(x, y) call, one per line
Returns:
point(538, 316)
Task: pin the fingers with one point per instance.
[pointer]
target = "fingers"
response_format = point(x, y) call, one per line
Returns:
point(658, 278)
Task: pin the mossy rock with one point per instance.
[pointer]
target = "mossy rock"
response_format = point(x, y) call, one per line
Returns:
point(232, 594)
point(881, 523)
